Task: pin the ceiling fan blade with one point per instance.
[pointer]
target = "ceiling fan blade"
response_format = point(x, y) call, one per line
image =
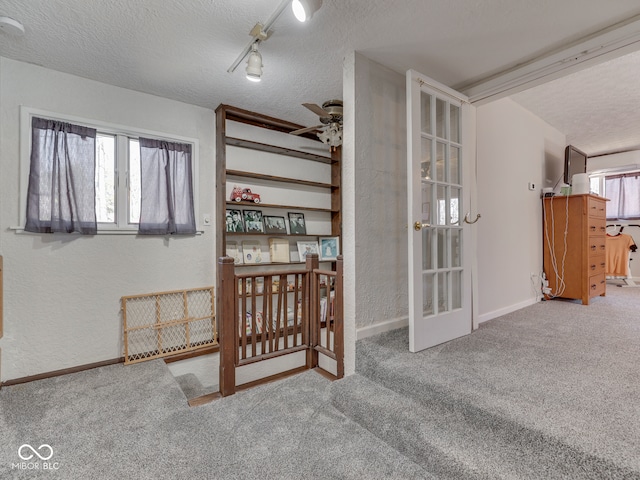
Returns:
point(305, 130)
point(317, 109)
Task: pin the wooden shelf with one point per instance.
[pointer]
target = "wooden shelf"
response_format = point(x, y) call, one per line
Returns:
point(298, 235)
point(273, 178)
point(285, 207)
point(289, 152)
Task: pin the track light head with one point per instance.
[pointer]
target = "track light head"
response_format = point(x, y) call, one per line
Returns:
point(304, 9)
point(254, 64)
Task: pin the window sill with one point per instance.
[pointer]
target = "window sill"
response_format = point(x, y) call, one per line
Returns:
point(102, 231)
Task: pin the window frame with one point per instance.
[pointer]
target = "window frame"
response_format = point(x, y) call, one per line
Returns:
point(122, 134)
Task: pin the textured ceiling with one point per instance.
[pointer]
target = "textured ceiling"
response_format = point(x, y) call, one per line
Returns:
point(181, 49)
point(598, 108)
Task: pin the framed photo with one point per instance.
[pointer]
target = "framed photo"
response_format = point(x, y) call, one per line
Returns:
point(275, 225)
point(305, 248)
point(296, 224)
point(234, 221)
point(329, 248)
point(253, 221)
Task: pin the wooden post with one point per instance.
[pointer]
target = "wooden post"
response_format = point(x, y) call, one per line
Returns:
point(313, 312)
point(338, 320)
point(227, 325)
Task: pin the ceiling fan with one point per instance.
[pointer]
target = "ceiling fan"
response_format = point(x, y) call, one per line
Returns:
point(330, 130)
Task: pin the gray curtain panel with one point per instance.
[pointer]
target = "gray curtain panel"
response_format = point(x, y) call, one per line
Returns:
point(166, 204)
point(61, 194)
point(623, 192)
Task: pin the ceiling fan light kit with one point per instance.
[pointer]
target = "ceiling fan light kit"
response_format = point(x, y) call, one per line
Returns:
point(304, 9)
point(330, 116)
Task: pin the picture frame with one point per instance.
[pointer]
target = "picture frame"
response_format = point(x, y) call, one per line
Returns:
point(275, 225)
point(329, 248)
point(253, 222)
point(234, 221)
point(297, 225)
point(305, 248)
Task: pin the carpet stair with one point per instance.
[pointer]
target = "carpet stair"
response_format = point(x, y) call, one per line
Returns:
point(449, 434)
point(192, 387)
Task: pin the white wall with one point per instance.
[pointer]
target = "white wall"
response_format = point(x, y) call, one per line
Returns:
point(62, 292)
point(514, 147)
point(380, 203)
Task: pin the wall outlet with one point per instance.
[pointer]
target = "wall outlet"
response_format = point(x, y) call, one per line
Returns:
point(206, 219)
point(532, 186)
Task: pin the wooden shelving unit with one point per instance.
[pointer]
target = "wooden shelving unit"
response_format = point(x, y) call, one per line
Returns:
point(226, 113)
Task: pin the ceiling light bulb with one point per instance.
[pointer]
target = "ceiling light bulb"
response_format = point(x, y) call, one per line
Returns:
point(304, 9)
point(254, 64)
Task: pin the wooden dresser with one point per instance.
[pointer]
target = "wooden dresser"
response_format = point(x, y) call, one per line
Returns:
point(584, 263)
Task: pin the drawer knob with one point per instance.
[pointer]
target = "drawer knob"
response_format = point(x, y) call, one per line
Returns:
point(593, 267)
point(592, 228)
point(593, 247)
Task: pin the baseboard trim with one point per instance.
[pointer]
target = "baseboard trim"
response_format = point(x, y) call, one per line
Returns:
point(505, 310)
point(382, 327)
point(64, 371)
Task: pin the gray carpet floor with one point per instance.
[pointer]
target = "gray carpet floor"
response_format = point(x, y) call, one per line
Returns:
point(549, 391)
point(133, 422)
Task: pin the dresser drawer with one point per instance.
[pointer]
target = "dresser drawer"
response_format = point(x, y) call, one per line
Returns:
point(596, 264)
point(597, 285)
point(597, 208)
point(596, 226)
point(597, 245)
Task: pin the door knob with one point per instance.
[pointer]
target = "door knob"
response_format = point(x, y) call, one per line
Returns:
point(419, 226)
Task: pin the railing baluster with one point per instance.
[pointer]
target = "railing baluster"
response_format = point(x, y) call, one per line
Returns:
point(254, 317)
point(243, 318)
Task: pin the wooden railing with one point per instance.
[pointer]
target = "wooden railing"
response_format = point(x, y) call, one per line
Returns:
point(263, 315)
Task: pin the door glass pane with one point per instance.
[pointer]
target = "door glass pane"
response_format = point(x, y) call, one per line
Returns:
point(425, 113)
point(427, 249)
point(456, 257)
point(454, 114)
point(440, 162)
point(442, 206)
point(456, 289)
point(427, 294)
point(454, 206)
point(427, 199)
point(443, 292)
point(440, 118)
point(443, 248)
point(454, 165)
point(425, 164)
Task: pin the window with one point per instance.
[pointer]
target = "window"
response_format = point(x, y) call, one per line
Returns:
point(117, 207)
point(118, 186)
point(623, 192)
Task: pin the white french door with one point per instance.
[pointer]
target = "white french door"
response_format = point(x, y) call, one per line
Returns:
point(439, 253)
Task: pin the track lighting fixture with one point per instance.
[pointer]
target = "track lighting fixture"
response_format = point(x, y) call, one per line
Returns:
point(254, 64)
point(304, 9)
